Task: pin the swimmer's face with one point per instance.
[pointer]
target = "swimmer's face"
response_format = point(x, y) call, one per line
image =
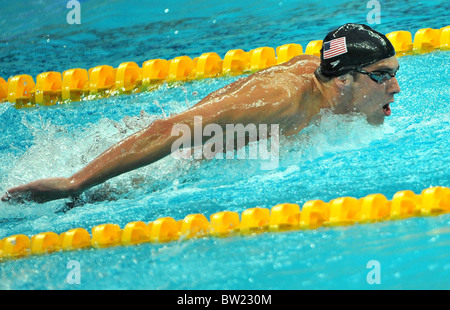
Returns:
point(371, 98)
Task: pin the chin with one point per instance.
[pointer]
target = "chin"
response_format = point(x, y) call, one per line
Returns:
point(375, 120)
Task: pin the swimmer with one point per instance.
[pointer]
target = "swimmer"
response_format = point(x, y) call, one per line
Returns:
point(355, 73)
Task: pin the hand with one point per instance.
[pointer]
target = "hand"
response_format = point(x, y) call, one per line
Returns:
point(40, 191)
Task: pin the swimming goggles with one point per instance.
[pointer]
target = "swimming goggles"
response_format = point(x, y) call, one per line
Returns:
point(378, 76)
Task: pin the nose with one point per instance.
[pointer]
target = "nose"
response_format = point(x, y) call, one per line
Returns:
point(394, 87)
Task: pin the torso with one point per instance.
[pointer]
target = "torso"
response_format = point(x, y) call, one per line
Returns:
point(282, 94)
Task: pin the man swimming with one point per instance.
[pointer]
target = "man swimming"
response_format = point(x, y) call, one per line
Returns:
point(355, 73)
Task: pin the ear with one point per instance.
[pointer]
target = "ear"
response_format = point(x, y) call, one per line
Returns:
point(344, 81)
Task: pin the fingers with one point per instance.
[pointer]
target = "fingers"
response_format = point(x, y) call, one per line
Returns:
point(39, 191)
point(14, 198)
point(18, 194)
point(6, 197)
point(9, 194)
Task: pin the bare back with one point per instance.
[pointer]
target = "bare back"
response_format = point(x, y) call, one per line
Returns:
point(280, 94)
point(285, 95)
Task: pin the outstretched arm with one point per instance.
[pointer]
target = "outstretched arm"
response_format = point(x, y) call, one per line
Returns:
point(135, 151)
point(233, 104)
point(139, 149)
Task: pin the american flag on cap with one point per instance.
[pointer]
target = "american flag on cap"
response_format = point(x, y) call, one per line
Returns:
point(334, 48)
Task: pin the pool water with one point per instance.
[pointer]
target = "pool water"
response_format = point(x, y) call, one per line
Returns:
point(334, 156)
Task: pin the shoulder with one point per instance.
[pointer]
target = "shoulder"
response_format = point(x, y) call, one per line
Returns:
point(296, 73)
point(302, 64)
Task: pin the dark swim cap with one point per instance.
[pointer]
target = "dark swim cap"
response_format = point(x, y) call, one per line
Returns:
point(353, 46)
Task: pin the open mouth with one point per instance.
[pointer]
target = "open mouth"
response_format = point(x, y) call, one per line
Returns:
point(387, 109)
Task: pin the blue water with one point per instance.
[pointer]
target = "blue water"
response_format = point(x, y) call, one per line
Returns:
point(337, 156)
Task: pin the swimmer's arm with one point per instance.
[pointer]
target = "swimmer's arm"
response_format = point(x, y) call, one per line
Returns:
point(142, 148)
point(138, 150)
point(153, 143)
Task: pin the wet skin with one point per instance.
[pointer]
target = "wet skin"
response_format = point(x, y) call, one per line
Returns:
point(288, 94)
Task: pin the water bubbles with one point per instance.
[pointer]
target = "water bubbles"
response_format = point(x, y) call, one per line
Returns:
point(175, 184)
point(157, 103)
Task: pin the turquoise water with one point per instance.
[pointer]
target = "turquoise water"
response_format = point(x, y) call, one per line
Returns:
point(334, 157)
